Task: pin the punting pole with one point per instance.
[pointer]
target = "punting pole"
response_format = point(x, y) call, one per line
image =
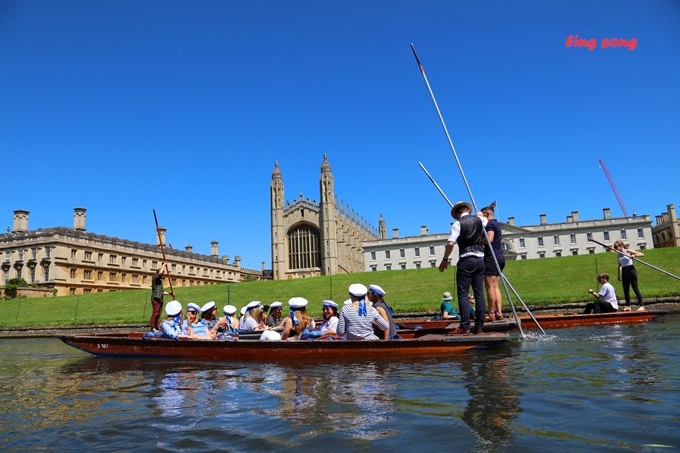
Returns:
point(165, 261)
point(472, 198)
point(435, 184)
point(636, 259)
point(16, 319)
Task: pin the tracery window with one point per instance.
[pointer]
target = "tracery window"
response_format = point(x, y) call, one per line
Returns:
point(303, 248)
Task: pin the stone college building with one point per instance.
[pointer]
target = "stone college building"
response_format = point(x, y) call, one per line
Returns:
point(74, 261)
point(312, 238)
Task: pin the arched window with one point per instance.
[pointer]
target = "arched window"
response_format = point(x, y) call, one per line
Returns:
point(303, 248)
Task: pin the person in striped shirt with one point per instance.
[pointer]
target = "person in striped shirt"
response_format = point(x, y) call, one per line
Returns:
point(357, 318)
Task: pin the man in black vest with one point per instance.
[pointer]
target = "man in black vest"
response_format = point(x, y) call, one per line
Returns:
point(468, 233)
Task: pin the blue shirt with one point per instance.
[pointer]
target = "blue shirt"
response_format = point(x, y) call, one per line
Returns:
point(447, 307)
point(494, 226)
point(172, 328)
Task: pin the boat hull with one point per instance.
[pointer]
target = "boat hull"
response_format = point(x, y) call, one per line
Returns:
point(133, 345)
point(550, 321)
point(557, 321)
point(419, 330)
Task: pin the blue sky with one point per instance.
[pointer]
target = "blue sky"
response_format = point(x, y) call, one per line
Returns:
point(123, 107)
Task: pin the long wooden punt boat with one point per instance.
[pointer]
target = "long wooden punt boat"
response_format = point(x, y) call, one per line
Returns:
point(550, 321)
point(134, 345)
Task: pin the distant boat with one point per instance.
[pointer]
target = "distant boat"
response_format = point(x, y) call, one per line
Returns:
point(134, 345)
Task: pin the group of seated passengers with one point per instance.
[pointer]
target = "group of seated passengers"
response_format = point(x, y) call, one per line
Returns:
point(357, 319)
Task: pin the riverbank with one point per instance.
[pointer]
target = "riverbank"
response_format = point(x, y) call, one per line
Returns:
point(669, 304)
point(541, 283)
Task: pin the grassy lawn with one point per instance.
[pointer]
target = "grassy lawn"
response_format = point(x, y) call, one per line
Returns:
point(539, 281)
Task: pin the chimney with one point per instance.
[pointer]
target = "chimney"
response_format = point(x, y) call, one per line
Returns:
point(423, 230)
point(79, 219)
point(671, 212)
point(574, 215)
point(237, 261)
point(395, 232)
point(162, 231)
point(544, 219)
point(213, 249)
point(607, 213)
point(189, 248)
point(511, 220)
point(263, 267)
point(570, 219)
point(20, 221)
point(225, 258)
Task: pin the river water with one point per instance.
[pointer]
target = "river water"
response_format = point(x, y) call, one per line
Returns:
point(611, 388)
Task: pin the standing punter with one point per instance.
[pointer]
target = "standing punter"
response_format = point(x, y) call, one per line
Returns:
point(468, 232)
point(157, 297)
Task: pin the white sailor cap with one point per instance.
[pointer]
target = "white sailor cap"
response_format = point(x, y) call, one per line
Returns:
point(208, 306)
point(173, 308)
point(229, 310)
point(253, 304)
point(329, 303)
point(377, 289)
point(193, 306)
point(297, 302)
point(243, 310)
point(357, 290)
point(276, 305)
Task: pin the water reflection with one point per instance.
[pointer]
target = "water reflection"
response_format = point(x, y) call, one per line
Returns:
point(493, 402)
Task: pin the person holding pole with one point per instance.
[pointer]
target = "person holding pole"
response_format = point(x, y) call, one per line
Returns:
point(468, 233)
point(157, 293)
point(627, 273)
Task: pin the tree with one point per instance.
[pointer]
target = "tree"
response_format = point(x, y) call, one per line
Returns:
point(12, 285)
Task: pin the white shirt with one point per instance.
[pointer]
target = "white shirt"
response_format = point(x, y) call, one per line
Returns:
point(249, 325)
point(455, 232)
point(332, 324)
point(609, 295)
point(625, 259)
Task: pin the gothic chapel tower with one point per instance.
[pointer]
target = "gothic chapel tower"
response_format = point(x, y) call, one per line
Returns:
point(278, 233)
point(328, 210)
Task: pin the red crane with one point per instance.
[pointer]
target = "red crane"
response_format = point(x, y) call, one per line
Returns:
point(614, 188)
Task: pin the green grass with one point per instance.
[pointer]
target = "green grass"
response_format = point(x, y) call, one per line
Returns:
point(539, 281)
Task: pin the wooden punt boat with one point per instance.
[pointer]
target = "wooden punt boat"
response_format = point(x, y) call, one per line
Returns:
point(551, 321)
point(134, 345)
point(557, 321)
point(443, 328)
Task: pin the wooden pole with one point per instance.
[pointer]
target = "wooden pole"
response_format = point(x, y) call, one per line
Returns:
point(165, 261)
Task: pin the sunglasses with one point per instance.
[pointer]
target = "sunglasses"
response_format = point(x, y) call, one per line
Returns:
point(192, 312)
